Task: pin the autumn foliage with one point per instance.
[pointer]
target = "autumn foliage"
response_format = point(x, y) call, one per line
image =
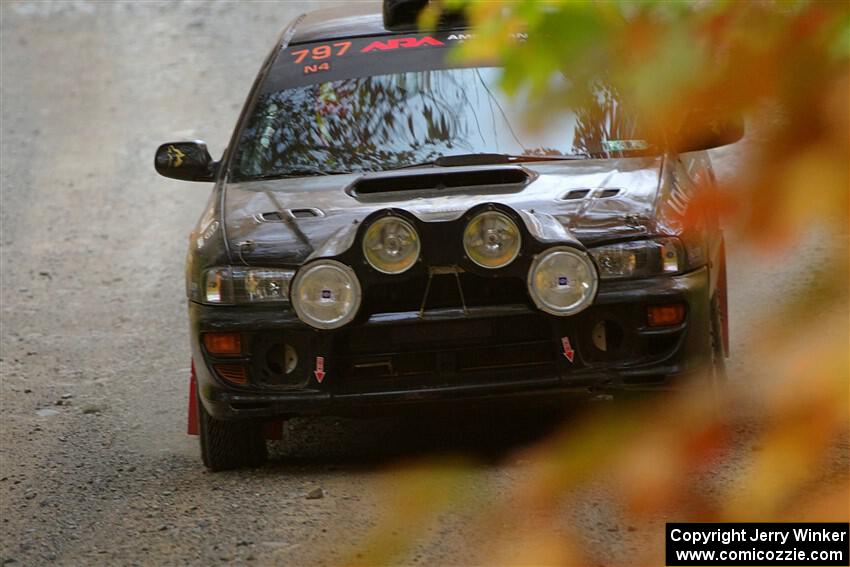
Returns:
point(778, 450)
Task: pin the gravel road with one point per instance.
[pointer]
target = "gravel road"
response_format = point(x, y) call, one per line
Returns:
point(95, 466)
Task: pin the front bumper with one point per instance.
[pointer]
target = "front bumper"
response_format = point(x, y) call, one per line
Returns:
point(454, 354)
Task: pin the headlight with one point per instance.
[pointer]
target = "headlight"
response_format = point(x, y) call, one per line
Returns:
point(326, 294)
point(639, 259)
point(230, 284)
point(492, 240)
point(562, 281)
point(391, 245)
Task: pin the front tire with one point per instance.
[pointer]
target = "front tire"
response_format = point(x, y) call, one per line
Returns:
point(227, 445)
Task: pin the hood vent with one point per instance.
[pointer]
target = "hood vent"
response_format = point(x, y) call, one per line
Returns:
point(576, 194)
point(305, 213)
point(505, 178)
point(277, 216)
point(597, 194)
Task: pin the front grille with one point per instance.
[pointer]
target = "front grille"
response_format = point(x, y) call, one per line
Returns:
point(439, 335)
point(428, 352)
point(478, 291)
point(520, 355)
point(524, 356)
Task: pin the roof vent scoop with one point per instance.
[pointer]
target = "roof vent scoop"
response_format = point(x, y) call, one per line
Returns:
point(402, 15)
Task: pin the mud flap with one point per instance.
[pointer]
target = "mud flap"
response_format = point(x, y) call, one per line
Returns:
point(192, 428)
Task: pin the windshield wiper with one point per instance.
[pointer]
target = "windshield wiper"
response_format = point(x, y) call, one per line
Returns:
point(442, 161)
point(488, 159)
point(306, 172)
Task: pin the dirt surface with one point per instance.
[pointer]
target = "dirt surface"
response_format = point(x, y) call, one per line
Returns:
point(95, 466)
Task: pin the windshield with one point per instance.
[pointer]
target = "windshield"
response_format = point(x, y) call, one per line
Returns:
point(366, 120)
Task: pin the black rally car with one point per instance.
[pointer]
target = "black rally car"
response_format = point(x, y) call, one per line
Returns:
point(384, 229)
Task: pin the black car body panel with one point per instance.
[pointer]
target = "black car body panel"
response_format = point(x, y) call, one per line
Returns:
point(448, 330)
point(258, 212)
point(483, 352)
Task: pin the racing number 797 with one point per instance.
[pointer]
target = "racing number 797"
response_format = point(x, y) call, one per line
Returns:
point(322, 51)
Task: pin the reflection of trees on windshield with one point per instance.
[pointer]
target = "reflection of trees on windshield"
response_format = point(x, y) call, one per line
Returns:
point(601, 123)
point(389, 121)
point(368, 123)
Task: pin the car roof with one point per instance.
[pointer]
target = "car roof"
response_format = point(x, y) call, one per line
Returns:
point(360, 19)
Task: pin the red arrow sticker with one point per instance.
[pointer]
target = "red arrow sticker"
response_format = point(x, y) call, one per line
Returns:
point(569, 353)
point(319, 373)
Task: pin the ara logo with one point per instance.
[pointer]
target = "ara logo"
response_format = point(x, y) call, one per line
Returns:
point(405, 42)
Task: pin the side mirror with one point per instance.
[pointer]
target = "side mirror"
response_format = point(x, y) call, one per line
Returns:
point(189, 161)
point(703, 130)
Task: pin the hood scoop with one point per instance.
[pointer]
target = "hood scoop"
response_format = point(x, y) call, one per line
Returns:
point(601, 193)
point(432, 183)
point(289, 214)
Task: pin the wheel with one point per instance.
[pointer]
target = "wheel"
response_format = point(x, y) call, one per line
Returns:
point(227, 445)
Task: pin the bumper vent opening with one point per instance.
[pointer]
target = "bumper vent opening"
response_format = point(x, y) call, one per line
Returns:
point(608, 336)
point(276, 360)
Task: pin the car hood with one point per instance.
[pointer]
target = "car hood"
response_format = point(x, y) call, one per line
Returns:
point(282, 222)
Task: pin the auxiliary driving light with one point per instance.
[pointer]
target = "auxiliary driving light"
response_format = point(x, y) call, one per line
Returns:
point(326, 294)
point(492, 240)
point(391, 245)
point(562, 281)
